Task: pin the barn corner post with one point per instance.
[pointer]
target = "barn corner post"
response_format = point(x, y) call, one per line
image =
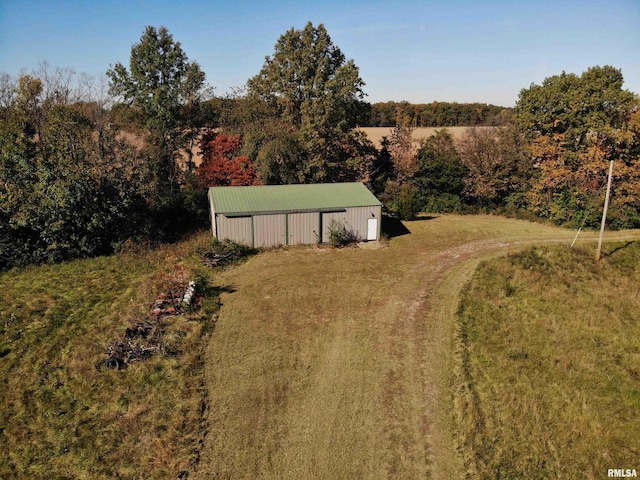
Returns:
point(604, 212)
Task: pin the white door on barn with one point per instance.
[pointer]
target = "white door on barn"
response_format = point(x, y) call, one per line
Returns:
point(372, 229)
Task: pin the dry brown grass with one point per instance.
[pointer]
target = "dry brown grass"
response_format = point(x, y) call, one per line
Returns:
point(324, 363)
point(550, 364)
point(375, 134)
point(62, 415)
point(336, 363)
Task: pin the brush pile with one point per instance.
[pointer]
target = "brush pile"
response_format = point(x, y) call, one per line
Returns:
point(144, 336)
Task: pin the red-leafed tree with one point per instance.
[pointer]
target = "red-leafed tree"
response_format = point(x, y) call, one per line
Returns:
point(222, 162)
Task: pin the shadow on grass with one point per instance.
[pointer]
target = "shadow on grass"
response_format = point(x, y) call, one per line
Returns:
point(224, 289)
point(620, 247)
point(393, 227)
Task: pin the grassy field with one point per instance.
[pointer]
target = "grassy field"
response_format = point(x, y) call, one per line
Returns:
point(62, 415)
point(323, 363)
point(550, 364)
point(375, 134)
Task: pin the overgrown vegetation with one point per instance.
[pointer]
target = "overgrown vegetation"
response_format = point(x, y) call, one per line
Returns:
point(572, 127)
point(70, 185)
point(62, 414)
point(550, 364)
point(550, 159)
point(340, 235)
point(225, 252)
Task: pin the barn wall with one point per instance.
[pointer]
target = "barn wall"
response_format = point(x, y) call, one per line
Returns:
point(355, 218)
point(238, 229)
point(269, 230)
point(303, 228)
point(293, 228)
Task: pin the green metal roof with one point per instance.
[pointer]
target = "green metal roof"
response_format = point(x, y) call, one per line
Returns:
point(289, 198)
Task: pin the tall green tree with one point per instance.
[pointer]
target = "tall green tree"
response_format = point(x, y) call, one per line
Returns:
point(318, 93)
point(68, 187)
point(440, 176)
point(574, 126)
point(166, 88)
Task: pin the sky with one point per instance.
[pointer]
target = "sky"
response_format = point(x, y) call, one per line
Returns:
point(420, 51)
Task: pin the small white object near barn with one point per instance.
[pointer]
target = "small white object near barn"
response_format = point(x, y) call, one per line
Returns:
point(270, 215)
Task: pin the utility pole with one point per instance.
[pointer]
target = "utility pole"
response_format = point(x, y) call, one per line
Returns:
point(604, 212)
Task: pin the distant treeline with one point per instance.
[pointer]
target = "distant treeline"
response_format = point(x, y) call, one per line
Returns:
point(390, 114)
point(437, 114)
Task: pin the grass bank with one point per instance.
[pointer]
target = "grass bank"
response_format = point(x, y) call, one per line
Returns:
point(62, 415)
point(550, 364)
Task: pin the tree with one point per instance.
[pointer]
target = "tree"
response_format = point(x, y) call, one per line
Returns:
point(165, 87)
point(382, 168)
point(68, 187)
point(271, 142)
point(498, 172)
point(440, 175)
point(315, 90)
point(403, 153)
point(222, 163)
point(574, 126)
point(310, 80)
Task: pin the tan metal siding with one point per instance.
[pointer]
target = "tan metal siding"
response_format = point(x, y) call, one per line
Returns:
point(303, 228)
point(355, 218)
point(269, 230)
point(237, 229)
point(326, 221)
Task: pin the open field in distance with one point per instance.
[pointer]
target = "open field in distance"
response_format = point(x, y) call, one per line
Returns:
point(375, 134)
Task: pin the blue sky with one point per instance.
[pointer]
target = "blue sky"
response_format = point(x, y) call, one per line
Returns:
point(420, 51)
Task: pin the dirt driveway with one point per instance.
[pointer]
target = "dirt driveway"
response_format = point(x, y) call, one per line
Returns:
point(337, 363)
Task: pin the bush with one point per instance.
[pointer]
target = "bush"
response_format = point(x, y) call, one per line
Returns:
point(443, 203)
point(408, 204)
point(340, 235)
point(226, 246)
point(402, 200)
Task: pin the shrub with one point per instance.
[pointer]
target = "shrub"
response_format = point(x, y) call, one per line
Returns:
point(443, 203)
point(340, 235)
point(224, 252)
point(409, 203)
point(402, 200)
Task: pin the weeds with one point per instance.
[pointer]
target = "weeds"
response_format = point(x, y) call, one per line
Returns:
point(225, 252)
point(62, 417)
point(340, 235)
point(549, 364)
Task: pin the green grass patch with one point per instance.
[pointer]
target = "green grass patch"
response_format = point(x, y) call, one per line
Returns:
point(62, 414)
point(550, 364)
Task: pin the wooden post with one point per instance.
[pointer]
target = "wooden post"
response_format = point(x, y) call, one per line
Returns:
point(604, 212)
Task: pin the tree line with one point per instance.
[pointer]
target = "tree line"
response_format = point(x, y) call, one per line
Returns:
point(73, 184)
point(436, 114)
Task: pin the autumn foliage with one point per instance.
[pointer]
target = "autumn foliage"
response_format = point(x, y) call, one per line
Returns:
point(575, 126)
point(222, 162)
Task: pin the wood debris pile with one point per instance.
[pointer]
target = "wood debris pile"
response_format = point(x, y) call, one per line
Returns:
point(144, 336)
point(216, 259)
